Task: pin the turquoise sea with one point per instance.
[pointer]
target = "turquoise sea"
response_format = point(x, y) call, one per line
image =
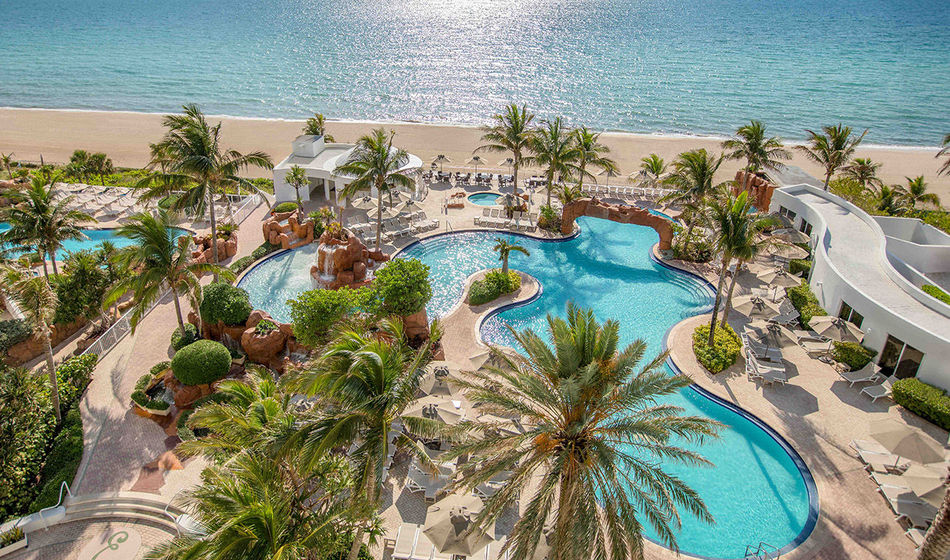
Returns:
point(666, 66)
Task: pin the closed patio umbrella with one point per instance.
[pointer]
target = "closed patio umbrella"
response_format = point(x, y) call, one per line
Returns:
point(790, 235)
point(450, 525)
point(781, 278)
point(786, 251)
point(907, 442)
point(836, 328)
point(755, 307)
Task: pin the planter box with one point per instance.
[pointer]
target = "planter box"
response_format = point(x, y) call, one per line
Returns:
point(153, 411)
point(11, 548)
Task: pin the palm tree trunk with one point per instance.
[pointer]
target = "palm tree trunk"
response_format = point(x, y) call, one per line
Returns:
point(52, 259)
point(580, 179)
point(42, 256)
point(689, 234)
point(514, 168)
point(828, 174)
point(214, 233)
point(937, 541)
point(549, 186)
point(732, 286)
point(379, 216)
point(504, 264)
point(181, 324)
point(361, 530)
point(715, 311)
point(51, 372)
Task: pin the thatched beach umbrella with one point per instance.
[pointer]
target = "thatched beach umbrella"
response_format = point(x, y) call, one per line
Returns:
point(477, 160)
point(907, 442)
point(836, 328)
point(791, 235)
point(450, 525)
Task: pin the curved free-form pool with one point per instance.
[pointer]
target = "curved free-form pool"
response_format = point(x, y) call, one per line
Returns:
point(756, 491)
point(94, 238)
point(484, 198)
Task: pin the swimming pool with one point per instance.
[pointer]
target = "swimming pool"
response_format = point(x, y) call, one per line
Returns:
point(484, 198)
point(94, 237)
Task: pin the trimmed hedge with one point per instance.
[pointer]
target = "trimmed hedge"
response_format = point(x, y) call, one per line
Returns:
point(725, 350)
point(201, 362)
point(492, 286)
point(799, 266)
point(262, 250)
point(180, 340)
point(923, 399)
point(226, 303)
point(284, 207)
point(853, 354)
point(61, 463)
point(403, 286)
point(141, 398)
point(805, 303)
point(936, 292)
point(13, 331)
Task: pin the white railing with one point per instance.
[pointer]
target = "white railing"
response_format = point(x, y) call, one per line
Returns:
point(108, 340)
point(250, 203)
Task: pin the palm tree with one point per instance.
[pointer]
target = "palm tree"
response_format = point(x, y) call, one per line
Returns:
point(161, 261)
point(568, 193)
point(504, 249)
point(945, 151)
point(864, 171)
point(510, 132)
point(79, 164)
point(936, 543)
point(7, 161)
point(371, 378)
point(157, 185)
point(40, 219)
point(375, 164)
point(692, 181)
point(916, 193)
point(100, 164)
point(317, 126)
point(736, 230)
point(196, 158)
point(653, 167)
point(590, 152)
point(833, 149)
point(760, 153)
point(594, 443)
point(37, 301)
point(553, 148)
point(890, 200)
point(297, 178)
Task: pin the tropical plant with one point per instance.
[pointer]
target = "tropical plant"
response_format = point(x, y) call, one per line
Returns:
point(889, 199)
point(944, 168)
point(596, 437)
point(100, 164)
point(37, 302)
point(510, 131)
point(371, 378)
point(6, 160)
point(692, 181)
point(403, 286)
point(568, 193)
point(864, 171)
point(591, 153)
point(653, 167)
point(554, 149)
point(317, 126)
point(916, 193)
point(760, 153)
point(375, 164)
point(832, 149)
point(192, 154)
point(504, 247)
point(297, 178)
point(157, 185)
point(161, 262)
point(79, 165)
point(41, 220)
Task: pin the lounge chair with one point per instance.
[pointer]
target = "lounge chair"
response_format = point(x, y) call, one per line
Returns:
point(880, 391)
point(917, 514)
point(916, 536)
point(877, 458)
point(890, 480)
point(817, 349)
point(761, 351)
point(768, 373)
point(868, 373)
point(899, 494)
point(404, 542)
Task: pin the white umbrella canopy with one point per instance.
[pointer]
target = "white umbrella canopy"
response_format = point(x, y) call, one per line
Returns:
point(755, 307)
point(365, 203)
point(928, 483)
point(781, 278)
point(450, 525)
point(436, 380)
point(435, 407)
point(791, 235)
point(907, 442)
point(836, 328)
point(771, 334)
point(787, 251)
point(440, 160)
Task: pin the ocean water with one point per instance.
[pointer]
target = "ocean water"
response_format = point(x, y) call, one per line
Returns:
point(667, 66)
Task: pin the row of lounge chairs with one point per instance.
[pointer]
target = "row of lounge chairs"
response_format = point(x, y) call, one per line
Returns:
point(496, 217)
point(627, 193)
point(764, 370)
point(411, 543)
point(881, 387)
point(394, 228)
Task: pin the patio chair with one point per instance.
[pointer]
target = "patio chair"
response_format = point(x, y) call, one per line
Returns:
point(762, 351)
point(916, 536)
point(768, 373)
point(880, 391)
point(887, 479)
point(868, 373)
point(817, 349)
point(917, 514)
point(808, 335)
point(404, 542)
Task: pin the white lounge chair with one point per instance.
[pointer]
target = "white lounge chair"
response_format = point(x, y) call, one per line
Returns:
point(917, 514)
point(869, 373)
point(817, 349)
point(880, 391)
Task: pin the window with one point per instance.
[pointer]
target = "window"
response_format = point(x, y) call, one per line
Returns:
point(849, 314)
point(899, 359)
point(787, 213)
point(805, 227)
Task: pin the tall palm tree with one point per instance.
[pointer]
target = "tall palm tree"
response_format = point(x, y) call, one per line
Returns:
point(595, 441)
point(157, 185)
point(161, 261)
point(375, 163)
point(504, 248)
point(936, 543)
point(37, 300)
point(6, 160)
point(196, 159)
point(916, 193)
point(297, 178)
point(40, 219)
point(510, 131)
point(760, 153)
point(692, 180)
point(944, 168)
point(100, 164)
point(371, 378)
point(591, 153)
point(553, 148)
point(653, 167)
point(832, 149)
point(864, 171)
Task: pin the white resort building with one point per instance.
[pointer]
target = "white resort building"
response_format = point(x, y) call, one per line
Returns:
point(319, 159)
point(869, 270)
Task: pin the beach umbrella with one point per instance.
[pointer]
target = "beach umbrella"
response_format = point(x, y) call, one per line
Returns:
point(476, 161)
point(836, 328)
point(365, 203)
point(507, 162)
point(755, 307)
point(771, 334)
point(450, 525)
point(499, 424)
point(441, 159)
point(782, 221)
point(907, 442)
point(928, 483)
point(435, 407)
point(791, 235)
point(787, 251)
point(435, 381)
point(779, 277)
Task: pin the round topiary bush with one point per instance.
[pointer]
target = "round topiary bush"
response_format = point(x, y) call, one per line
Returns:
point(285, 207)
point(180, 340)
point(201, 362)
point(226, 303)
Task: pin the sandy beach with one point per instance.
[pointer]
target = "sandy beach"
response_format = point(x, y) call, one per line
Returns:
point(125, 136)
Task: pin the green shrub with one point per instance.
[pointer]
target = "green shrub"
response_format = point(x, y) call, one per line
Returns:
point(284, 207)
point(160, 367)
point(799, 266)
point(204, 361)
point(699, 251)
point(494, 285)
point(80, 288)
point(853, 354)
point(180, 340)
point(141, 398)
point(939, 219)
point(62, 462)
point(263, 250)
point(73, 377)
point(936, 292)
point(805, 303)
point(314, 311)
point(265, 326)
point(14, 535)
point(725, 350)
point(403, 286)
point(13, 331)
point(549, 219)
point(923, 399)
point(226, 229)
point(226, 303)
point(241, 264)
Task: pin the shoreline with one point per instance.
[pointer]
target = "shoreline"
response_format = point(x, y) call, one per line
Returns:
point(125, 136)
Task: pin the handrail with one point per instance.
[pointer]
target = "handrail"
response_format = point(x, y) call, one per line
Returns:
point(59, 502)
point(762, 552)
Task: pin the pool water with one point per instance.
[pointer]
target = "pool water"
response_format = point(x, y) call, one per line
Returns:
point(279, 278)
point(94, 238)
point(484, 198)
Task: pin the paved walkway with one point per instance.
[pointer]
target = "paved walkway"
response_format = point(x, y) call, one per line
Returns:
point(82, 540)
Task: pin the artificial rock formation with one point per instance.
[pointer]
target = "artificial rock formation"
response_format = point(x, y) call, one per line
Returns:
point(285, 230)
point(616, 213)
point(759, 189)
point(185, 395)
point(343, 262)
point(227, 248)
point(22, 352)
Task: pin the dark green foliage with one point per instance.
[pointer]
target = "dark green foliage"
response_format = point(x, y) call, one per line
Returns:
point(185, 432)
point(264, 249)
point(13, 331)
point(342, 551)
point(725, 350)
point(160, 367)
point(936, 292)
point(494, 285)
point(204, 361)
point(805, 303)
point(314, 311)
point(853, 354)
point(73, 376)
point(241, 264)
point(265, 326)
point(141, 398)
point(80, 289)
point(800, 267)
point(180, 340)
point(62, 462)
point(403, 286)
point(168, 202)
point(923, 399)
point(939, 219)
point(284, 207)
point(549, 219)
point(699, 250)
point(226, 303)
